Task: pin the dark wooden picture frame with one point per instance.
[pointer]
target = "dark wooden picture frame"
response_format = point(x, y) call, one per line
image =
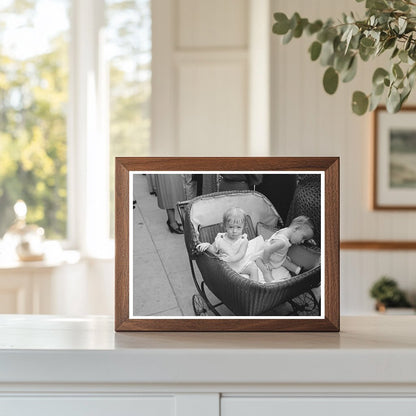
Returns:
point(329, 166)
point(383, 199)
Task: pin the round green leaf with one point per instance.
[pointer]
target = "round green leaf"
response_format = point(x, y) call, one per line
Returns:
point(399, 4)
point(330, 80)
point(294, 20)
point(395, 52)
point(288, 37)
point(389, 43)
point(378, 90)
point(332, 33)
point(366, 53)
point(351, 71)
point(374, 102)
point(314, 27)
point(300, 25)
point(297, 31)
point(403, 96)
point(327, 54)
point(403, 56)
point(315, 50)
point(393, 101)
point(342, 61)
point(322, 36)
point(397, 71)
point(367, 42)
point(355, 41)
point(281, 27)
point(382, 19)
point(359, 103)
point(376, 4)
point(379, 75)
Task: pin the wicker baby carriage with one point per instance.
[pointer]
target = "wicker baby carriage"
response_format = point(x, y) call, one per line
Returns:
point(202, 219)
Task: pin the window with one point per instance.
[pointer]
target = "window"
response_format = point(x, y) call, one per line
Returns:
point(129, 46)
point(33, 98)
point(75, 86)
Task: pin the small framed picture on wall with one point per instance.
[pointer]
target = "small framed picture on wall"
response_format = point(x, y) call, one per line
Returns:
point(227, 244)
point(394, 178)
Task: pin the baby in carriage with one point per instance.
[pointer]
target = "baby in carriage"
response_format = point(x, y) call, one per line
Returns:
point(233, 246)
point(274, 263)
point(270, 256)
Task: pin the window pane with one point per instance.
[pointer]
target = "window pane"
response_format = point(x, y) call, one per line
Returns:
point(34, 37)
point(129, 46)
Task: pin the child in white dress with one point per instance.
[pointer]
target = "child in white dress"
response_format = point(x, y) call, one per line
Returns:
point(233, 246)
point(274, 263)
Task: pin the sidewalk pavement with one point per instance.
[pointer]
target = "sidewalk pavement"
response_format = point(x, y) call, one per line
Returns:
point(162, 278)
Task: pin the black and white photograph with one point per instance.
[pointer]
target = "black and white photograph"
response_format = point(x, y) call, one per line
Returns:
point(226, 244)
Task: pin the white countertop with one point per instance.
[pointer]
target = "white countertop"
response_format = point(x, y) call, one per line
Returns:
point(52, 349)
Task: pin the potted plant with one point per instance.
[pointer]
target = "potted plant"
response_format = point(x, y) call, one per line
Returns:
point(387, 294)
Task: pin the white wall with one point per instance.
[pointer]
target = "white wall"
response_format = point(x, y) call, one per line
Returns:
point(86, 288)
point(202, 80)
point(308, 122)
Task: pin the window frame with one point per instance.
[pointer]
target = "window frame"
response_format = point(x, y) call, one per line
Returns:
point(88, 133)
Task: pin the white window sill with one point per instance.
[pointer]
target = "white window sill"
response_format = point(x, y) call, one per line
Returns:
point(50, 261)
point(55, 256)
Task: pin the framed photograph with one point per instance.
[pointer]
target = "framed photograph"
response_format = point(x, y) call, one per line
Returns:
point(394, 176)
point(227, 244)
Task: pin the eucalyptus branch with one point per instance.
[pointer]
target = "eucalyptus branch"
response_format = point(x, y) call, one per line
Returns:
point(388, 26)
point(405, 38)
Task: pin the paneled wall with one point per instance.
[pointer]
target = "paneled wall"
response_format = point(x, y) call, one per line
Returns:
point(204, 69)
point(305, 121)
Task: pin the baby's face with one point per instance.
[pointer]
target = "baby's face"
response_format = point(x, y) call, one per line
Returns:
point(300, 235)
point(234, 230)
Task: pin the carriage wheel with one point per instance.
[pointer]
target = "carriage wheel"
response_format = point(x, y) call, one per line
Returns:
point(305, 304)
point(199, 305)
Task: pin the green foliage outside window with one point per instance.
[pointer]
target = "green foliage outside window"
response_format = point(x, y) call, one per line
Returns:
point(33, 98)
point(129, 39)
point(34, 103)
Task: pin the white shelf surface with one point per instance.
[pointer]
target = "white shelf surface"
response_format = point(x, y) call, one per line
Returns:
point(52, 349)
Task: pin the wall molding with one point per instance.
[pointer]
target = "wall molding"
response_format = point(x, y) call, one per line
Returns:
point(377, 245)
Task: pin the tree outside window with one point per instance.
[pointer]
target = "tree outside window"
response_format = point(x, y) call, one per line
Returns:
point(34, 93)
point(33, 100)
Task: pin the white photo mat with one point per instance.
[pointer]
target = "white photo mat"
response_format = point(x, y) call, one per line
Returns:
point(164, 317)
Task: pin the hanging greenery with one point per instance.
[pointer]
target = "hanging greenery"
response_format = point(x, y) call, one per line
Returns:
point(389, 27)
